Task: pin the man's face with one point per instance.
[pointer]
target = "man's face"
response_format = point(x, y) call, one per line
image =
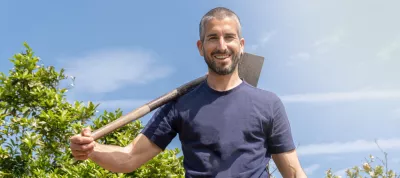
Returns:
point(221, 47)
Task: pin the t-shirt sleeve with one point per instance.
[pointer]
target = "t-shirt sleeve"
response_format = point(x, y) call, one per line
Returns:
point(160, 128)
point(280, 137)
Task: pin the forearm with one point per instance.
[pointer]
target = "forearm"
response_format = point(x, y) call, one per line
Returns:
point(292, 172)
point(289, 165)
point(300, 174)
point(113, 158)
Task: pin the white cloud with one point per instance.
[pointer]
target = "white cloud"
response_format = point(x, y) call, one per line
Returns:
point(267, 36)
point(334, 158)
point(111, 69)
point(126, 106)
point(299, 57)
point(343, 48)
point(311, 169)
point(396, 113)
point(389, 52)
point(264, 39)
point(342, 96)
point(330, 39)
point(349, 147)
point(302, 56)
point(320, 46)
point(123, 104)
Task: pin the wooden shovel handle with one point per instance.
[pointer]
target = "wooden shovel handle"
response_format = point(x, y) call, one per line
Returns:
point(146, 108)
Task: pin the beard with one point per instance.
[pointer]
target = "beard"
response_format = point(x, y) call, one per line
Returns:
point(222, 70)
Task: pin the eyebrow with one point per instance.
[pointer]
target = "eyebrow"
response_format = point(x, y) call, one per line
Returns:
point(212, 35)
point(227, 34)
point(230, 34)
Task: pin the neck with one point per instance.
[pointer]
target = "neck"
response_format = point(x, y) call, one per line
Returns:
point(223, 82)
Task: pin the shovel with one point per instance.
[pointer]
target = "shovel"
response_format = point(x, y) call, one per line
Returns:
point(249, 71)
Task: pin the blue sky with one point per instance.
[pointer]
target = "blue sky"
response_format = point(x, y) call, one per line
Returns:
point(335, 65)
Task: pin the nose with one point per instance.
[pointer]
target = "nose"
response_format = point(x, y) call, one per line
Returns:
point(222, 44)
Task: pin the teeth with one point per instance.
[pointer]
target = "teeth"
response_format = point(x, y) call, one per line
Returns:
point(221, 57)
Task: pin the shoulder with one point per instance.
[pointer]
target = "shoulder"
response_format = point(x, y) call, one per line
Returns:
point(186, 100)
point(261, 95)
point(265, 101)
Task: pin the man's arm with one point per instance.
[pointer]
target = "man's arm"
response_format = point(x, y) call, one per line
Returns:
point(288, 164)
point(281, 145)
point(157, 134)
point(114, 158)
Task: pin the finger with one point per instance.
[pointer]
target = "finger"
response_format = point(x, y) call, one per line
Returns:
point(84, 147)
point(81, 140)
point(81, 157)
point(86, 132)
point(81, 153)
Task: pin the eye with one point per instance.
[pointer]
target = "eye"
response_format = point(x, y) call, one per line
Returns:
point(230, 37)
point(213, 38)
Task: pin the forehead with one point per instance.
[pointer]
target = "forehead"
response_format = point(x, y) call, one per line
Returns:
point(224, 25)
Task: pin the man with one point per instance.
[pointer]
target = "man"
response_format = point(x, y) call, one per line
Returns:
point(227, 127)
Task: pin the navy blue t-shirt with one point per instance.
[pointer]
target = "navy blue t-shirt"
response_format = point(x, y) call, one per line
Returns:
point(224, 134)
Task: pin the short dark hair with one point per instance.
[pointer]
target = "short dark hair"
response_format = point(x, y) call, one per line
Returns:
point(219, 13)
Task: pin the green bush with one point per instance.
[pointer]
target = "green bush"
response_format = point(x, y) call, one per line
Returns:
point(37, 121)
point(371, 168)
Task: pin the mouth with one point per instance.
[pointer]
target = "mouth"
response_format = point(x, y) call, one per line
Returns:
point(221, 56)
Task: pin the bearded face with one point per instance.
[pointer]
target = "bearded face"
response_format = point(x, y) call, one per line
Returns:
point(222, 62)
point(221, 47)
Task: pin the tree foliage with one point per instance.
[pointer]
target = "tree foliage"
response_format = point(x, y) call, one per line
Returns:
point(370, 168)
point(37, 121)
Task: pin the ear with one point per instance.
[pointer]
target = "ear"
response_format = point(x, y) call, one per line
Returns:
point(200, 47)
point(242, 42)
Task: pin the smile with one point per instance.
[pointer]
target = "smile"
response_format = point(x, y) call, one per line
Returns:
point(221, 56)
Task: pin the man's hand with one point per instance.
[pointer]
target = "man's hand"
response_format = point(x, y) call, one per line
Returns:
point(82, 144)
